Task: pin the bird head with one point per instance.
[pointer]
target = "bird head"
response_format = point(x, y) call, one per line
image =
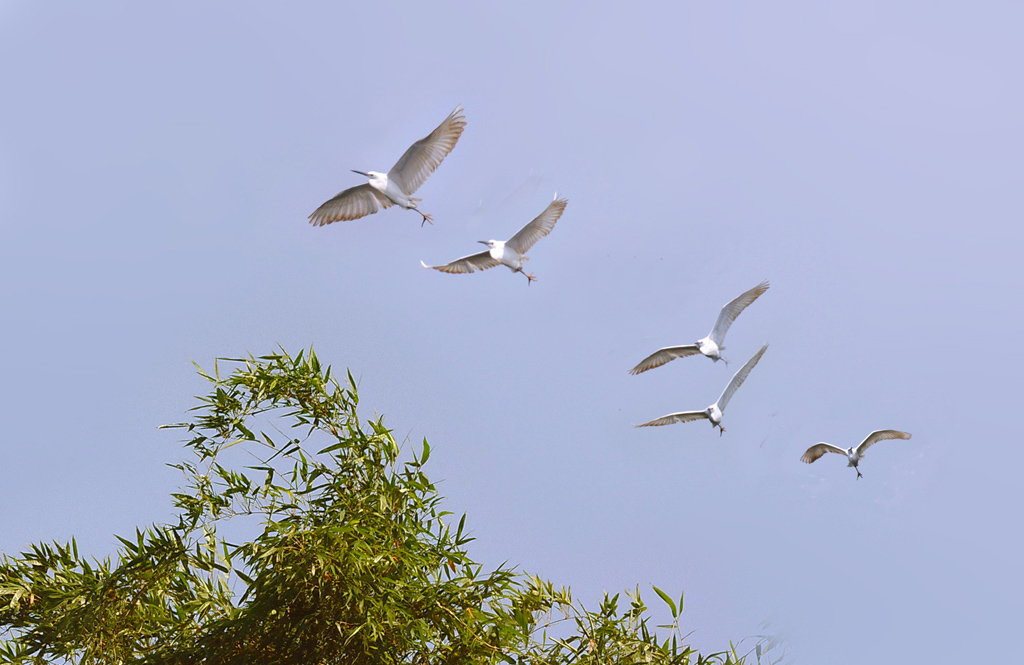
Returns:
point(373, 176)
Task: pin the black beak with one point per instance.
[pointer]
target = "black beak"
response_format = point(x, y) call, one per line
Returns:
point(482, 242)
point(361, 173)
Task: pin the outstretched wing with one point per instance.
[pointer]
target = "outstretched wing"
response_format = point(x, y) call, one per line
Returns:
point(466, 264)
point(538, 228)
point(422, 157)
point(662, 356)
point(738, 379)
point(879, 435)
point(819, 449)
point(733, 309)
point(353, 203)
point(672, 418)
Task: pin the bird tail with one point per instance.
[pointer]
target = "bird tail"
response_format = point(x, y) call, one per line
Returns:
point(415, 199)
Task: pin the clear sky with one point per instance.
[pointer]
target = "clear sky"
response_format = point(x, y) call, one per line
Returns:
point(158, 164)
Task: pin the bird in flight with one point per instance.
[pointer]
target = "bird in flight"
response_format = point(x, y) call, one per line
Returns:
point(397, 186)
point(712, 345)
point(713, 412)
point(853, 455)
point(512, 252)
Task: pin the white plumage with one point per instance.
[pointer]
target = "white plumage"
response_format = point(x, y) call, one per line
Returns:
point(712, 345)
point(853, 455)
point(713, 412)
point(398, 185)
point(512, 252)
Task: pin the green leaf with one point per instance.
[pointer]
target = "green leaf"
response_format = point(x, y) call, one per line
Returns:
point(668, 601)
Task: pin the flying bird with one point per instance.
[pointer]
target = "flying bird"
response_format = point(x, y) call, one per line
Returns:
point(512, 252)
point(853, 455)
point(712, 345)
point(713, 412)
point(397, 186)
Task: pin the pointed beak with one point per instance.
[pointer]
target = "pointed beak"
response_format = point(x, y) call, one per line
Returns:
point(361, 173)
point(482, 242)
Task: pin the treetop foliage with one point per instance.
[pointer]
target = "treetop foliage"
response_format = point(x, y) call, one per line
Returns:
point(302, 537)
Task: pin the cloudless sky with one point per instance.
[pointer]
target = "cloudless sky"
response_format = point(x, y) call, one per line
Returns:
point(158, 164)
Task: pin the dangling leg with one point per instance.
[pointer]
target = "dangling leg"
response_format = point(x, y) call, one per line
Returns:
point(859, 476)
point(426, 217)
point(529, 278)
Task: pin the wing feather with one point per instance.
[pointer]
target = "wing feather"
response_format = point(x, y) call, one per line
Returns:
point(733, 309)
point(353, 203)
point(664, 355)
point(672, 418)
point(819, 449)
point(538, 228)
point(467, 264)
point(879, 435)
point(422, 157)
point(738, 379)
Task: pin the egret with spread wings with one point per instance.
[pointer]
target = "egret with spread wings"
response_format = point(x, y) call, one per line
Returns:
point(713, 412)
point(853, 455)
point(712, 345)
point(397, 186)
point(512, 252)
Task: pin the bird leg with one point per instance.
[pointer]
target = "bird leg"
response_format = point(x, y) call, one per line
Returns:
point(426, 217)
point(721, 430)
point(859, 476)
point(529, 277)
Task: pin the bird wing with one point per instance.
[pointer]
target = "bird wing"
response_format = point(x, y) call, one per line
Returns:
point(879, 435)
point(353, 203)
point(662, 356)
point(733, 309)
point(819, 449)
point(466, 264)
point(681, 417)
point(538, 228)
point(738, 379)
point(422, 157)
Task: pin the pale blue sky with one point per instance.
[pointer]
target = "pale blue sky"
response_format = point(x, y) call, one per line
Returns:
point(157, 166)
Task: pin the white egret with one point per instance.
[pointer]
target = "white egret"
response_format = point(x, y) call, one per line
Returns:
point(397, 186)
point(853, 455)
point(713, 412)
point(512, 252)
point(712, 345)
